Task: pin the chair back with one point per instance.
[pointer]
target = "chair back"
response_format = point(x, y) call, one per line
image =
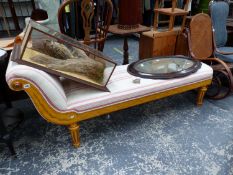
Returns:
point(219, 13)
point(78, 19)
point(201, 36)
point(39, 15)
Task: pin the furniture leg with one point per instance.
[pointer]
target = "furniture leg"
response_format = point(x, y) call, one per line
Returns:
point(171, 23)
point(101, 46)
point(126, 53)
point(74, 131)
point(201, 94)
point(10, 146)
point(155, 21)
point(183, 23)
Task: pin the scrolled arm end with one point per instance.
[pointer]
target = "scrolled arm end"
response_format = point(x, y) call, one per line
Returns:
point(16, 85)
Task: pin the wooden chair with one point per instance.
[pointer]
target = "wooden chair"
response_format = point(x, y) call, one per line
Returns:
point(201, 47)
point(219, 13)
point(172, 12)
point(74, 12)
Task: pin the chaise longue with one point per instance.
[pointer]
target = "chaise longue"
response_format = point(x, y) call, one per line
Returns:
point(64, 102)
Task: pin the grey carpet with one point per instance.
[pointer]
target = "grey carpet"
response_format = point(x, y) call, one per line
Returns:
point(169, 136)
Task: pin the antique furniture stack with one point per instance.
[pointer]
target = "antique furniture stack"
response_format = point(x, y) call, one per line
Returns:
point(65, 102)
point(161, 43)
point(61, 101)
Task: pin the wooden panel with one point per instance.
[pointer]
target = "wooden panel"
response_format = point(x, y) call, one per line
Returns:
point(182, 45)
point(201, 36)
point(145, 47)
point(130, 14)
point(163, 43)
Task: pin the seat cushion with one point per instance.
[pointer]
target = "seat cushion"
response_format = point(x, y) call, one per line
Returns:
point(82, 98)
point(227, 58)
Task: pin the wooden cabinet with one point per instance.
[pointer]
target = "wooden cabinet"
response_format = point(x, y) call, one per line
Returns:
point(155, 43)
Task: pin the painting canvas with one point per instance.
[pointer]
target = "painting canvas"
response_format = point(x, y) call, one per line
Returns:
point(53, 52)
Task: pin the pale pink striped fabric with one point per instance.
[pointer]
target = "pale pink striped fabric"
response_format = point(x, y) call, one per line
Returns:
point(67, 95)
point(83, 98)
point(49, 85)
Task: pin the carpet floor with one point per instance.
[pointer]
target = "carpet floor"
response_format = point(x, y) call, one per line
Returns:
point(166, 137)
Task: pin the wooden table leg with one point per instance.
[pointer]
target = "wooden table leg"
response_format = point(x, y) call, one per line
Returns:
point(201, 94)
point(126, 53)
point(74, 131)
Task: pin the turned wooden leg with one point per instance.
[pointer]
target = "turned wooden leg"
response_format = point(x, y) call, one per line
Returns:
point(156, 21)
point(74, 131)
point(183, 23)
point(171, 23)
point(126, 53)
point(201, 94)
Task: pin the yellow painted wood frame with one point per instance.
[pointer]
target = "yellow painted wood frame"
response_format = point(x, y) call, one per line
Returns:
point(71, 119)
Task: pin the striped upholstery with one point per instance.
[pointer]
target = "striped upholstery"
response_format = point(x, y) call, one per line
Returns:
point(82, 98)
point(49, 85)
point(68, 95)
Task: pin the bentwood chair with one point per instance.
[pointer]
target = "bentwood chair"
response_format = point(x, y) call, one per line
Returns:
point(201, 47)
point(75, 19)
point(219, 12)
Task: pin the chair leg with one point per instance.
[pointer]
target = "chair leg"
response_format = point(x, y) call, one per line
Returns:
point(11, 147)
point(183, 23)
point(74, 131)
point(101, 46)
point(7, 140)
point(171, 23)
point(156, 21)
point(201, 94)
